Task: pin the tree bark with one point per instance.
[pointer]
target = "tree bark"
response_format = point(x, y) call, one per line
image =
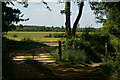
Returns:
point(68, 22)
point(77, 19)
point(1, 39)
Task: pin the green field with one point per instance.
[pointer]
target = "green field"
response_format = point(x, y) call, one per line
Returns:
point(35, 36)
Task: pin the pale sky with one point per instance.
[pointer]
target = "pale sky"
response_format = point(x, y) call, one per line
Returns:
point(39, 15)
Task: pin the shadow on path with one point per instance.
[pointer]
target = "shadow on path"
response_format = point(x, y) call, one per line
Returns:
point(41, 68)
point(32, 70)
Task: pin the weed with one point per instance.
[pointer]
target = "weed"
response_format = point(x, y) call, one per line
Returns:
point(28, 39)
point(111, 69)
point(74, 56)
point(15, 35)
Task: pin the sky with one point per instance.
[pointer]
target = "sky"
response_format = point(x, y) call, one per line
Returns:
point(39, 15)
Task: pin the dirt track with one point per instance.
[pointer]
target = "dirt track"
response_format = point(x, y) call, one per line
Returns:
point(54, 70)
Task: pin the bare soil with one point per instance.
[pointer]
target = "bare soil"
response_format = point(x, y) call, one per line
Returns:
point(54, 70)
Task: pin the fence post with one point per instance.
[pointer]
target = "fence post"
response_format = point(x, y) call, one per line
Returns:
point(60, 52)
point(106, 51)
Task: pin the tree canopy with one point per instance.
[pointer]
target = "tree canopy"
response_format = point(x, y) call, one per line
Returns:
point(109, 14)
point(10, 16)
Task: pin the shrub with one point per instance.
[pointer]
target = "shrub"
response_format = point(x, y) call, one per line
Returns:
point(28, 39)
point(111, 69)
point(93, 45)
point(59, 35)
point(81, 56)
point(56, 35)
point(108, 68)
point(76, 44)
point(15, 35)
point(74, 56)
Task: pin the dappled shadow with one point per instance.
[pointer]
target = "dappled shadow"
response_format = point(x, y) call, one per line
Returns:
point(39, 54)
point(76, 72)
point(34, 51)
point(21, 50)
point(17, 46)
point(31, 69)
point(10, 50)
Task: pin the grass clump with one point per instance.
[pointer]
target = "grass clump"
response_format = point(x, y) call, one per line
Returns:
point(74, 57)
point(56, 35)
point(111, 69)
point(89, 47)
point(28, 39)
point(15, 35)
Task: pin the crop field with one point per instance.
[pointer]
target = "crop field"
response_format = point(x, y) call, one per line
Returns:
point(35, 36)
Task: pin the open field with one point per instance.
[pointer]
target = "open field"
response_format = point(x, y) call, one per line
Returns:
point(35, 36)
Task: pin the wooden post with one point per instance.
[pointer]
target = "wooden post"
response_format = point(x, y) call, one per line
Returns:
point(106, 51)
point(1, 39)
point(60, 52)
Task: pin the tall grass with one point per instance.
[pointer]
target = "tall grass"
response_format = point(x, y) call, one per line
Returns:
point(74, 56)
point(111, 69)
point(91, 46)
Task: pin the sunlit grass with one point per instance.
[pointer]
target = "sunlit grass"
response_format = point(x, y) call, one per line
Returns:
point(28, 57)
point(35, 36)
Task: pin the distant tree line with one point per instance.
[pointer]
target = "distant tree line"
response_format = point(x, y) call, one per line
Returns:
point(31, 28)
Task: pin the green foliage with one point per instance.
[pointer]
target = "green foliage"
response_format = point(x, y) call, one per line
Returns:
point(90, 29)
point(61, 35)
point(62, 11)
point(74, 56)
point(35, 36)
point(31, 28)
point(93, 46)
point(111, 69)
point(72, 53)
point(115, 30)
point(108, 68)
point(15, 35)
point(112, 13)
point(57, 35)
point(38, 28)
point(116, 43)
point(9, 16)
point(28, 39)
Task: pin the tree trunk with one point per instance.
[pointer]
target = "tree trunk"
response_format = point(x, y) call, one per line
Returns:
point(67, 23)
point(77, 19)
point(1, 38)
